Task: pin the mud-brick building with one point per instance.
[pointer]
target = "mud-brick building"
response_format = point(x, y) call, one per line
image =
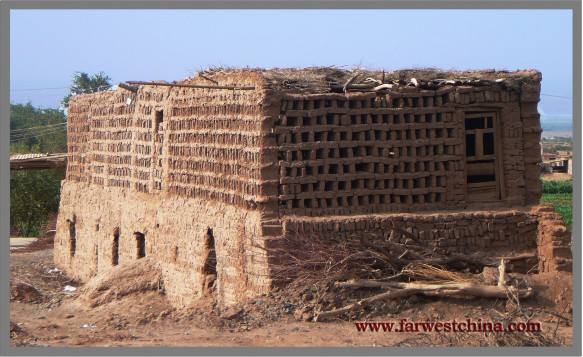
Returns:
point(206, 175)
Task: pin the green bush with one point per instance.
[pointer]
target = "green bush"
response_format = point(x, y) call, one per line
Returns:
point(551, 197)
point(557, 186)
point(566, 211)
point(34, 196)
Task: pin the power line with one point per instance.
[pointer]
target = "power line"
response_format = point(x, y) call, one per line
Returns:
point(35, 127)
point(31, 89)
point(38, 129)
point(36, 89)
point(31, 135)
point(111, 85)
point(48, 132)
point(556, 96)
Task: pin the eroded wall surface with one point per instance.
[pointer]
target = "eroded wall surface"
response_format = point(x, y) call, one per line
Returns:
point(554, 241)
point(171, 166)
point(175, 232)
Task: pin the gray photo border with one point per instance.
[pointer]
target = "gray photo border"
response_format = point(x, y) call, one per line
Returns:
point(7, 5)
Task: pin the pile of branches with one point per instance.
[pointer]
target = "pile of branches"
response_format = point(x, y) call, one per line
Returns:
point(453, 284)
point(399, 269)
point(338, 80)
point(304, 260)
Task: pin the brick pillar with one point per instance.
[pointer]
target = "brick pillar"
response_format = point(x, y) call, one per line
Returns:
point(553, 241)
point(529, 98)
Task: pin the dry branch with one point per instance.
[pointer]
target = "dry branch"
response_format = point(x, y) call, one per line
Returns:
point(398, 290)
point(452, 289)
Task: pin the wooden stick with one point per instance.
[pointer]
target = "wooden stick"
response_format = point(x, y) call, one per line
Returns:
point(392, 258)
point(404, 254)
point(207, 78)
point(502, 278)
point(407, 289)
point(470, 289)
point(363, 303)
point(350, 80)
point(520, 257)
point(126, 86)
point(396, 247)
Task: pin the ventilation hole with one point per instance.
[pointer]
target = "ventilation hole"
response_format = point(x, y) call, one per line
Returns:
point(72, 236)
point(140, 245)
point(115, 248)
point(210, 260)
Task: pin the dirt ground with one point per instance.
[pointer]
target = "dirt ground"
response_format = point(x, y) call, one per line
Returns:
point(557, 176)
point(42, 313)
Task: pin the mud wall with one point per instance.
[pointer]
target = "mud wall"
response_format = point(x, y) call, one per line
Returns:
point(554, 241)
point(175, 165)
point(215, 140)
point(183, 141)
point(176, 236)
point(463, 232)
point(529, 98)
point(396, 152)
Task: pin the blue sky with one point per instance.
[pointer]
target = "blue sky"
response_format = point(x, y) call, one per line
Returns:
point(48, 46)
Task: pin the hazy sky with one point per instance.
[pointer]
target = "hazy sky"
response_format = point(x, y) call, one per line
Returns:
point(48, 46)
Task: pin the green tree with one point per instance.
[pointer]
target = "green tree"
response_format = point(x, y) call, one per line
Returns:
point(34, 196)
point(37, 130)
point(84, 83)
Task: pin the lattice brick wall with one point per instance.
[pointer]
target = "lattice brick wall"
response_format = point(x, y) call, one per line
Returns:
point(363, 154)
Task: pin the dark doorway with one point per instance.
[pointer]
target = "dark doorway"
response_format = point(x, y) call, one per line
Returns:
point(115, 248)
point(140, 245)
point(210, 261)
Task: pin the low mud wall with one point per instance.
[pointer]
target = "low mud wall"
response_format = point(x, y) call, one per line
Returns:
point(463, 232)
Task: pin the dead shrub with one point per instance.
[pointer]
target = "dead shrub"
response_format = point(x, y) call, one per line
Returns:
point(422, 272)
point(302, 260)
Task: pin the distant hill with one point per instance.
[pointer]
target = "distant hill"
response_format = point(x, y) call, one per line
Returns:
point(557, 125)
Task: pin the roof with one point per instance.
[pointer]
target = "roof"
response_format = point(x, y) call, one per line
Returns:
point(37, 161)
point(335, 79)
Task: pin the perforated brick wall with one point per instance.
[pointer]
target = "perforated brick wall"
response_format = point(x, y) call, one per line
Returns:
point(395, 152)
